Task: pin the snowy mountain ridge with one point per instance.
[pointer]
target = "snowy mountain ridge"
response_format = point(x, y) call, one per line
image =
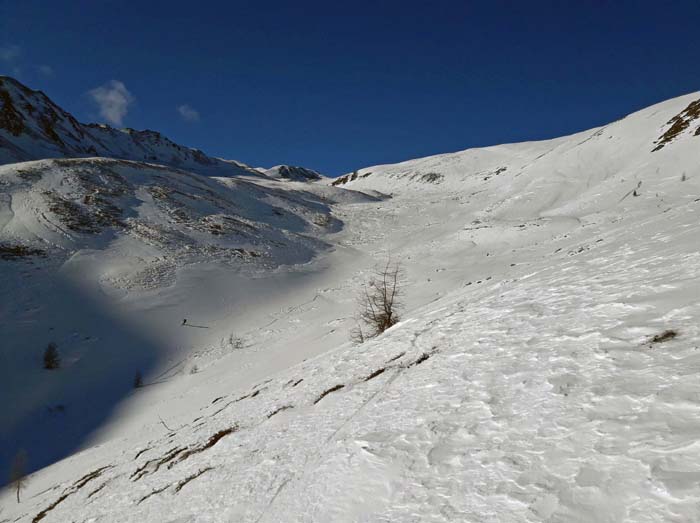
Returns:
point(665, 128)
point(290, 172)
point(32, 127)
point(545, 367)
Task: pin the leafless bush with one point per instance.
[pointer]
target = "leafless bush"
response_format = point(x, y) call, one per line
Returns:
point(236, 342)
point(18, 472)
point(379, 302)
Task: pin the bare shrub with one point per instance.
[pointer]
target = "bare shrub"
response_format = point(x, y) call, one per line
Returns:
point(236, 342)
point(138, 380)
point(18, 472)
point(379, 302)
point(664, 336)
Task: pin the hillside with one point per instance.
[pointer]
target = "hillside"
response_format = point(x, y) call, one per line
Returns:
point(32, 127)
point(545, 367)
point(289, 172)
point(81, 239)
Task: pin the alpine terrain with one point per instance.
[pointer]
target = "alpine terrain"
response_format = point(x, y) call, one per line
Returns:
point(545, 365)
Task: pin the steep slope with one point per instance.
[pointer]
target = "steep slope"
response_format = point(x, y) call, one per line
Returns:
point(545, 369)
point(32, 127)
point(586, 167)
point(81, 239)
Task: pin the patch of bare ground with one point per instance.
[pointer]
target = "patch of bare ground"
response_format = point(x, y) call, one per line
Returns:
point(327, 392)
point(280, 409)
point(678, 124)
point(664, 336)
point(213, 440)
point(152, 493)
point(152, 466)
point(14, 252)
point(185, 481)
point(419, 360)
point(375, 374)
point(87, 478)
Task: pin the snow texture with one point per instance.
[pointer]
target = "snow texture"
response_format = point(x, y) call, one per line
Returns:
point(545, 368)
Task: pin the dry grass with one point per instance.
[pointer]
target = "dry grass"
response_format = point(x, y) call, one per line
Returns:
point(327, 392)
point(679, 123)
point(665, 336)
point(13, 252)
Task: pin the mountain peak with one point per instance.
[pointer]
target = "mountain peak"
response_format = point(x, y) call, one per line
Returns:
point(293, 173)
point(33, 127)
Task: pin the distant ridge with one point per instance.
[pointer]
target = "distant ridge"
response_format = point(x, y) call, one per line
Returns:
point(33, 127)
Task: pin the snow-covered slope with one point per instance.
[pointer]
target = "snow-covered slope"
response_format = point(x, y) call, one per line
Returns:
point(32, 127)
point(586, 161)
point(83, 238)
point(530, 378)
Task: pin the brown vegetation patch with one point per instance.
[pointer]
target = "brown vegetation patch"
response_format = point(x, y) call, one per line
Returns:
point(420, 360)
point(152, 466)
point(70, 213)
point(152, 493)
point(30, 175)
point(396, 357)
point(47, 122)
point(374, 374)
point(213, 440)
point(277, 411)
point(10, 119)
point(72, 490)
point(678, 124)
point(141, 452)
point(13, 252)
point(428, 177)
point(185, 481)
point(666, 335)
point(327, 392)
point(97, 489)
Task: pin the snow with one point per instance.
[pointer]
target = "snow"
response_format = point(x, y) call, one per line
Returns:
point(522, 383)
point(288, 172)
point(32, 127)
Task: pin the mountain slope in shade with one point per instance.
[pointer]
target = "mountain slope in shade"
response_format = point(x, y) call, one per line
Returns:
point(121, 234)
point(32, 127)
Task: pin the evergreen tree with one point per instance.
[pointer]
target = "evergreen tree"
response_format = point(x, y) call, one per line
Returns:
point(51, 358)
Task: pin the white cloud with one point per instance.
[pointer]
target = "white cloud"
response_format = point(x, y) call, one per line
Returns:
point(188, 113)
point(8, 53)
point(113, 100)
point(46, 70)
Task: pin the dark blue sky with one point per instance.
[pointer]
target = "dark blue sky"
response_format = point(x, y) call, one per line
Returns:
point(336, 86)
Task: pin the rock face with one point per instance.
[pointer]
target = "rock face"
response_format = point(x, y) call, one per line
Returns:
point(290, 172)
point(32, 127)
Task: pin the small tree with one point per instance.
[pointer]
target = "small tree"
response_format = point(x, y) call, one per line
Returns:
point(138, 380)
point(379, 302)
point(52, 360)
point(18, 472)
